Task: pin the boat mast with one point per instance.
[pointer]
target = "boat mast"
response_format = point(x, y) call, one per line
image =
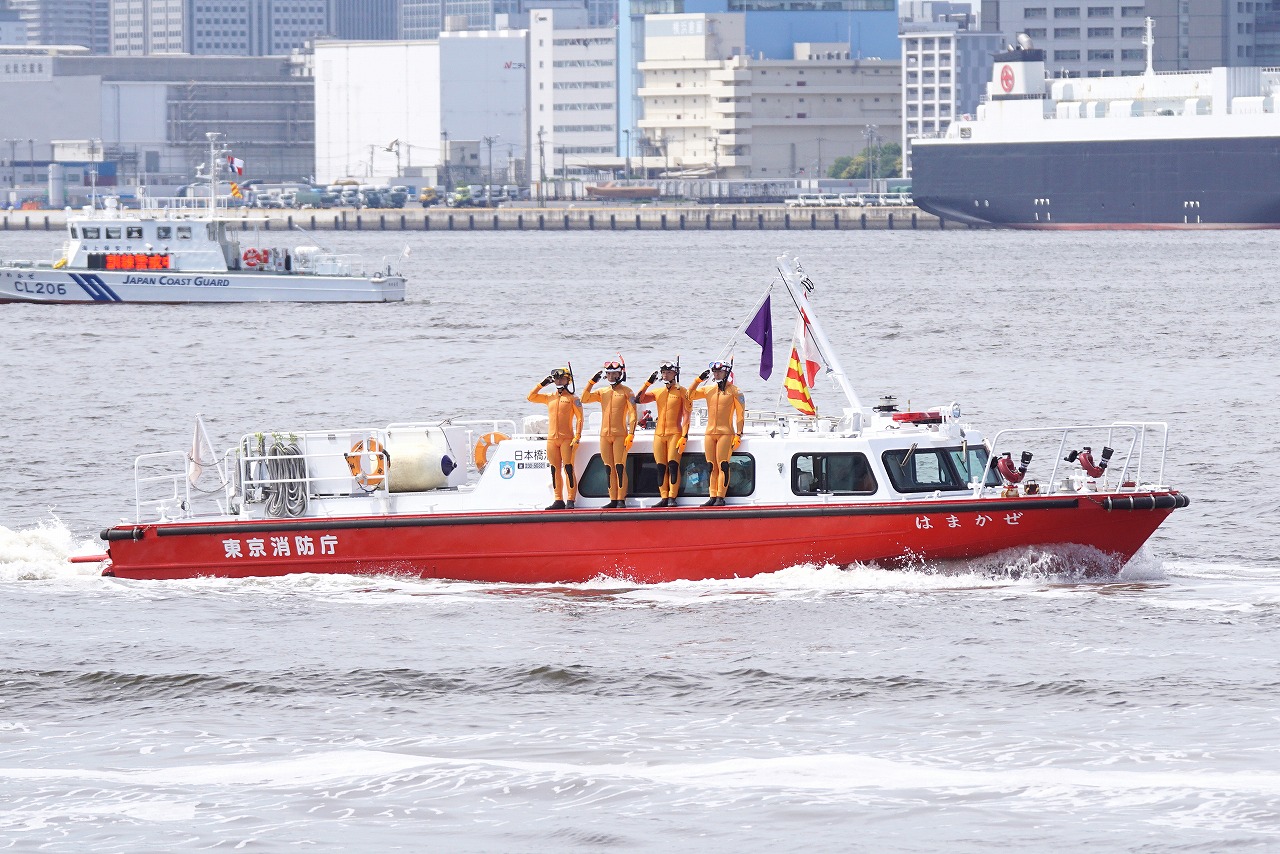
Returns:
point(799, 285)
point(214, 169)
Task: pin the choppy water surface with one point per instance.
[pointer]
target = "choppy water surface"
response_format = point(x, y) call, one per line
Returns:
point(1000, 703)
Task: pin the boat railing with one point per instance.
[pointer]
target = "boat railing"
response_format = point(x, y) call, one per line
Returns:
point(170, 483)
point(1139, 448)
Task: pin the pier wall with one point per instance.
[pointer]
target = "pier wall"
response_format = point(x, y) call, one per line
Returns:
point(683, 218)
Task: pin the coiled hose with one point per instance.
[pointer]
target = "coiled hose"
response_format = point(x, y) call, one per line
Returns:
point(287, 473)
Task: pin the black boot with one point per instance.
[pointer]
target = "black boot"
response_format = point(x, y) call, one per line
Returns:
point(556, 505)
point(568, 505)
point(662, 503)
point(620, 504)
point(719, 502)
point(710, 502)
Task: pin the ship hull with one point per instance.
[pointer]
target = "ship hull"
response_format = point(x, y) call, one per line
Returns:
point(46, 285)
point(640, 545)
point(1206, 183)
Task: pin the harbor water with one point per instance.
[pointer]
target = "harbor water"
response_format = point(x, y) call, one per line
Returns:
point(1006, 702)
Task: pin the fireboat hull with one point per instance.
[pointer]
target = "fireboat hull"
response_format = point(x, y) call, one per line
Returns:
point(643, 545)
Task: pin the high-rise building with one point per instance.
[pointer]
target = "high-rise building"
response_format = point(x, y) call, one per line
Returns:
point(218, 27)
point(1192, 35)
point(366, 20)
point(426, 19)
point(13, 30)
point(1080, 38)
point(67, 22)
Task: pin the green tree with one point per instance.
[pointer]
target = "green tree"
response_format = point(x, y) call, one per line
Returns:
point(838, 168)
point(888, 163)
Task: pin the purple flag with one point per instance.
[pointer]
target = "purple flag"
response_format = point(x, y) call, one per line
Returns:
point(760, 330)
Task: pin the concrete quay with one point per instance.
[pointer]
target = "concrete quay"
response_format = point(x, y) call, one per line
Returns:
point(577, 218)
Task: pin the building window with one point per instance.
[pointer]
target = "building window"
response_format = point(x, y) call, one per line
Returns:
point(1035, 32)
point(1132, 11)
point(1066, 32)
point(1101, 55)
point(1131, 54)
point(1102, 32)
point(1066, 12)
point(1034, 12)
point(1066, 55)
point(1102, 12)
point(1132, 32)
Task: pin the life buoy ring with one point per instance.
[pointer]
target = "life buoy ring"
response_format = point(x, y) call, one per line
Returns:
point(355, 462)
point(487, 441)
point(252, 258)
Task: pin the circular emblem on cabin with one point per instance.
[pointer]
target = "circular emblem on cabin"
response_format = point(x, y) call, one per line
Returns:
point(1006, 78)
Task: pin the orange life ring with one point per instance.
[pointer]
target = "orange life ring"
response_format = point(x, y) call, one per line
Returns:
point(355, 462)
point(487, 441)
point(252, 258)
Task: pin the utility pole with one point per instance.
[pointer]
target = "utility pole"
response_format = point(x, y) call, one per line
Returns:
point(819, 157)
point(372, 149)
point(666, 160)
point(542, 169)
point(870, 134)
point(626, 132)
point(488, 187)
point(444, 157)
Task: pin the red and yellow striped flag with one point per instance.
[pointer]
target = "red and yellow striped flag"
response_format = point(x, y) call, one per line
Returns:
point(796, 386)
point(235, 190)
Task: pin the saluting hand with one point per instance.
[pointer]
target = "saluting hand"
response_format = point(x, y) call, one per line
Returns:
point(597, 377)
point(704, 375)
point(653, 378)
point(546, 382)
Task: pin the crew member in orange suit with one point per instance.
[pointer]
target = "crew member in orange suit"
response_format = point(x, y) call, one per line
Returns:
point(726, 419)
point(564, 432)
point(670, 433)
point(617, 427)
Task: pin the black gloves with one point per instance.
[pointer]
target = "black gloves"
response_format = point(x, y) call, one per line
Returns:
point(704, 375)
point(546, 382)
point(597, 377)
point(653, 378)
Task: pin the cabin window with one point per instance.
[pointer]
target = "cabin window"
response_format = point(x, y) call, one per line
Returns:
point(92, 233)
point(921, 470)
point(643, 476)
point(164, 232)
point(113, 233)
point(835, 474)
point(73, 232)
point(184, 232)
point(133, 232)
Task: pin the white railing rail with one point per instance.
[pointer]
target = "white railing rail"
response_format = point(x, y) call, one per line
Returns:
point(1131, 441)
point(176, 497)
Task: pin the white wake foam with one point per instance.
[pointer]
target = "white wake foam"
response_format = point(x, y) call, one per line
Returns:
point(42, 552)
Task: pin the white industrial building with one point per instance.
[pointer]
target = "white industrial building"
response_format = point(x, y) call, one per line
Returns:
point(573, 91)
point(537, 102)
point(1093, 38)
point(714, 111)
point(419, 94)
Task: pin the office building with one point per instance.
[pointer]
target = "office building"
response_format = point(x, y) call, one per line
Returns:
point(573, 95)
point(1081, 38)
point(1193, 35)
point(67, 22)
point(362, 20)
point(711, 110)
point(866, 28)
point(217, 27)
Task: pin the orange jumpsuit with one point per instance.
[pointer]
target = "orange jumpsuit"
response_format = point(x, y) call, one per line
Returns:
point(674, 408)
point(617, 423)
point(563, 434)
point(726, 418)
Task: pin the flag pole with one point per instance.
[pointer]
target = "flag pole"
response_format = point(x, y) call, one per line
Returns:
point(797, 285)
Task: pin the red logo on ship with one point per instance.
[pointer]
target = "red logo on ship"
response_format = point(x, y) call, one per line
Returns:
point(1006, 78)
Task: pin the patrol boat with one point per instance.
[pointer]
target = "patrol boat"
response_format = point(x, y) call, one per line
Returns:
point(463, 499)
point(189, 250)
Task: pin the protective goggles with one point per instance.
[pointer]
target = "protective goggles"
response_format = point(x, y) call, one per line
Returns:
point(560, 372)
point(668, 366)
point(719, 366)
point(614, 365)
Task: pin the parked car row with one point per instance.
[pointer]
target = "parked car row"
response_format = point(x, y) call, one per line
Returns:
point(850, 200)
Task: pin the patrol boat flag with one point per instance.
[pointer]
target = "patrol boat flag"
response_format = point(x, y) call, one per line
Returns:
point(760, 330)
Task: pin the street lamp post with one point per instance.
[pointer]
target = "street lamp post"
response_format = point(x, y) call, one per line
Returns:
point(444, 157)
point(627, 133)
point(870, 134)
point(488, 187)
